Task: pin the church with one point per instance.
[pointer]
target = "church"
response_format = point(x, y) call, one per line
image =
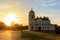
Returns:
point(39, 23)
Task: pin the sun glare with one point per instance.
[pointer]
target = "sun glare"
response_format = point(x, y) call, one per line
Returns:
point(9, 19)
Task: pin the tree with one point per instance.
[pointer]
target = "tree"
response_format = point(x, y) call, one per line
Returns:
point(2, 26)
point(16, 27)
point(57, 30)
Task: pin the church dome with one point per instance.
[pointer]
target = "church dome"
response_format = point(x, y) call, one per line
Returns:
point(31, 11)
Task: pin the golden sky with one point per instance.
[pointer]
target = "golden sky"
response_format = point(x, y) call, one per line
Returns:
point(21, 9)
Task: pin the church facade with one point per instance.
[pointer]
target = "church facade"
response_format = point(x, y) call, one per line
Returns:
point(39, 23)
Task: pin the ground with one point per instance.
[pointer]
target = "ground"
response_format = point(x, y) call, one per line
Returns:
point(32, 35)
point(27, 35)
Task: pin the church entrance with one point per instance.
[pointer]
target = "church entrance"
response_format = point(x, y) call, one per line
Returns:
point(39, 28)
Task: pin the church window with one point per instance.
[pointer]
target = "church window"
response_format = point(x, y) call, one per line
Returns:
point(32, 27)
point(35, 27)
point(32, 16)
point(47, 27)
point(43, 27)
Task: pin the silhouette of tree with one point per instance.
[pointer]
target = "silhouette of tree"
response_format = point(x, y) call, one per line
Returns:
point(57, 29)
point(2, 26)
point(16, 27)
point(25, 27)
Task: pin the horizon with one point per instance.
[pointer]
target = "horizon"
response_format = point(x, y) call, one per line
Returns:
point(21, 8)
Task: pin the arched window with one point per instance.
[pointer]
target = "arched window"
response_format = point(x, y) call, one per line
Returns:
point(32, 16)
point(39, 28)
point(47, 27)
point(31, 27)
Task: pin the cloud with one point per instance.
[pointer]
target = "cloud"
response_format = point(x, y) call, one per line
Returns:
point(47, 3)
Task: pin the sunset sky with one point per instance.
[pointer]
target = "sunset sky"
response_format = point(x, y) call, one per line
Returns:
point(21, 8)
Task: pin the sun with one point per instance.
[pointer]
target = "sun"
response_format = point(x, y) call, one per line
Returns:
point(9, 19)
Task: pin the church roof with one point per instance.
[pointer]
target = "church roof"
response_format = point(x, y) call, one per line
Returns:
point(44, 18)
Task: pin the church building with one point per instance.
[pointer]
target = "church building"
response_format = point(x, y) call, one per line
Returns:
point(39, 23)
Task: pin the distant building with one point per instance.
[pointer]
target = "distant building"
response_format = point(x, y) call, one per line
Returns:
point(39, 23)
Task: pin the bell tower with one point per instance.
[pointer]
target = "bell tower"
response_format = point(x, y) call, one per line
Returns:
point(31, 15)
point(31, 19)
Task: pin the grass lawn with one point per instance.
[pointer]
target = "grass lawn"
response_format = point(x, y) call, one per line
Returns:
point(31, 36)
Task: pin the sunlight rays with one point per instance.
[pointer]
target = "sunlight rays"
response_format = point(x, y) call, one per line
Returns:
point(10, 18)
